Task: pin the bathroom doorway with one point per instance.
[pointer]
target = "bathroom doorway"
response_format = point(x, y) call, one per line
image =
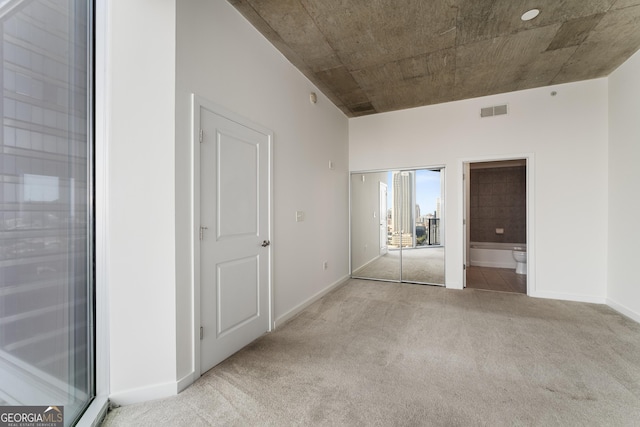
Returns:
point(496, 225)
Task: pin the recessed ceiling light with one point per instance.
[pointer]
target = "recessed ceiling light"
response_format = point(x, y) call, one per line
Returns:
point(530, 14)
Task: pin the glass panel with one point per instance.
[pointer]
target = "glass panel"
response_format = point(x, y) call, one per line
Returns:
point(423, 254)
point(46, 335)
point(372, 255)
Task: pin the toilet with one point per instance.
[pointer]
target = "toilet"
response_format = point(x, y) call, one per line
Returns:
point(520, 255)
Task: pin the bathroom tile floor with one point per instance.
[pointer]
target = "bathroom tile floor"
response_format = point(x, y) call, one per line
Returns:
point(496, 279)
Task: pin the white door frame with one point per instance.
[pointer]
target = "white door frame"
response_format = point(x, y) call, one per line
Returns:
point(384, 245)
point(531, 244)
point(198, 102)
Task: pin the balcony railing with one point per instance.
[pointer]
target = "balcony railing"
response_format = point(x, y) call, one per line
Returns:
point(425, 234)
point(433, 232)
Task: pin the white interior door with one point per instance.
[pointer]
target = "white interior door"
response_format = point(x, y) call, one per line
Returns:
point(233, 235)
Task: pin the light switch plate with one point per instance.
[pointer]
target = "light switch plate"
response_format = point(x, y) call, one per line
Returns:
point(299, 216)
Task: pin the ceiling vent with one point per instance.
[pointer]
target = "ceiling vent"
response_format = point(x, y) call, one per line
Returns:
point(497, 110)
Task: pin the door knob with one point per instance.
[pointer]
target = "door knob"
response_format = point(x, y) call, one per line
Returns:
point(265, 243)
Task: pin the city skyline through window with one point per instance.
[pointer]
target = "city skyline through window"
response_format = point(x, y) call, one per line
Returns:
point(428, 190)
point(414, 207)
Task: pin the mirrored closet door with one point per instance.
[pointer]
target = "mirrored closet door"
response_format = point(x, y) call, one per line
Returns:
point(396, 226)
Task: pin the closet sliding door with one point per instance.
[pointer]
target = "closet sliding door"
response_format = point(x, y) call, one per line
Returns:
point(422, 249)
point(396, 226)
point(371, 255)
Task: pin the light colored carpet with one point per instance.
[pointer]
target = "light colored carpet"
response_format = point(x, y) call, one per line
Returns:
point(389, 354)
point(419, 265)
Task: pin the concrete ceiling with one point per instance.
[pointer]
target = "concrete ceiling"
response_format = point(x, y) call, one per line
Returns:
point(371, 56)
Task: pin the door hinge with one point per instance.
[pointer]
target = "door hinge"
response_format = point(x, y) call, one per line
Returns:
point(202, 231)
point(201, 332)
point(201, 136)
point(464, 266)
point(464, 222)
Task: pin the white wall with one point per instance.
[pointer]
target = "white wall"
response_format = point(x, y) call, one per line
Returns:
point(623, 290)
point(222, 58)
point(140, 114)
point(567, 138)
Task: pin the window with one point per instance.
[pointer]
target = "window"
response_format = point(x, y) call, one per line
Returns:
point(46, 197)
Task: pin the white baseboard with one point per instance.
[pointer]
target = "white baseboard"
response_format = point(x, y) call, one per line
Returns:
point(624, 310)
point(367, 263)
point(569, 297)
point(144, 394)
point(186, 381)
point(297, 309)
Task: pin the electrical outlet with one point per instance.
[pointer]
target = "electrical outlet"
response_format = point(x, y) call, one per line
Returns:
point(325, 265)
